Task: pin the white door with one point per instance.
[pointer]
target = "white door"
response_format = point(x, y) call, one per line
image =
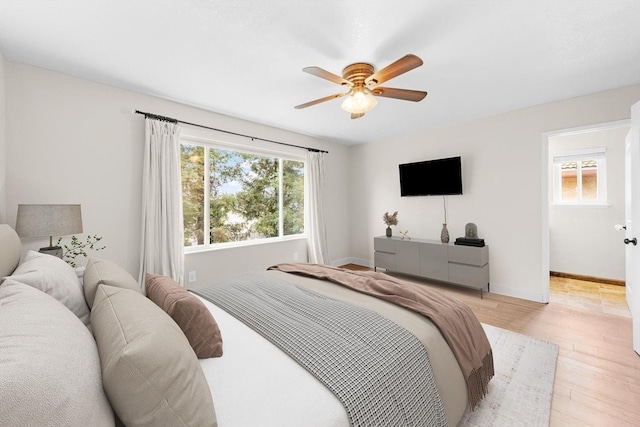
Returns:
point(632, 221)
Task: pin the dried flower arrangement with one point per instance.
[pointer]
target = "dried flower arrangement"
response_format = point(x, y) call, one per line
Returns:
point(390, 219)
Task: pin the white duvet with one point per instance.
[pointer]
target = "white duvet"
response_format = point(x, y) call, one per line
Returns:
point(255, 384)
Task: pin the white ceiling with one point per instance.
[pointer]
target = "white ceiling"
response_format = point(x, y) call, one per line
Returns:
point(244, 58)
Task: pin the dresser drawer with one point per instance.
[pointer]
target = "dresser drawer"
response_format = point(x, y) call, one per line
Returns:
point(469, 275)
point(384, 260)
point(469, 255)
point(384, 244)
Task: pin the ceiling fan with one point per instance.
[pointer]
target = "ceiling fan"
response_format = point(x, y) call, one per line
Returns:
point(363, 81)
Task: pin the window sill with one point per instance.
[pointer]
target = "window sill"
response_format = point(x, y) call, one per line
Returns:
point(581, 205)
point(230, 245)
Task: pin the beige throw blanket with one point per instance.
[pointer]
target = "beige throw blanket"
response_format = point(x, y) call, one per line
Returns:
point(455, 320)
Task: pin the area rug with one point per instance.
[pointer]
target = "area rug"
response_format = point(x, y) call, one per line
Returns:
point(520, 392)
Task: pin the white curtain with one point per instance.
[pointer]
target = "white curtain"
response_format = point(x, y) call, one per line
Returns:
point(317, 237)
point(162, 224)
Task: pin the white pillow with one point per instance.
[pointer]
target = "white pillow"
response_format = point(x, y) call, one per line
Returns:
point(49, 365)
point(55, 277)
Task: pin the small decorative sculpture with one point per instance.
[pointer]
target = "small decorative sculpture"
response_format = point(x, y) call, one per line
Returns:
point(471, 231)
point(404, 234)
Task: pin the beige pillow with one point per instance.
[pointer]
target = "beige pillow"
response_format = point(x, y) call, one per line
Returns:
point(55, 277)
point(149, 371)
point(188, 312)
point(11, 248)
point(49, 366)
point(104, 272)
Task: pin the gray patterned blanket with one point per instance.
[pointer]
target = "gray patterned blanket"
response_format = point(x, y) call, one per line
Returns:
point(378, 370)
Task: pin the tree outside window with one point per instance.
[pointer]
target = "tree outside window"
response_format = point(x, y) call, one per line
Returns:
point(241, 197)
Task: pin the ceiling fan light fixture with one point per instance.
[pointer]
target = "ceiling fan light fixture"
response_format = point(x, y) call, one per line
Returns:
point(363, 82)
point(359, 102)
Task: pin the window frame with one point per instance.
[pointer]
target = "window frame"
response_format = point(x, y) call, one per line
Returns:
point(259, 148)
point(600, 156)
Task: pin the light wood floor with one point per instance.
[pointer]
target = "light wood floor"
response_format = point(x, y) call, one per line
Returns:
point(592, 296)
point(597, 375)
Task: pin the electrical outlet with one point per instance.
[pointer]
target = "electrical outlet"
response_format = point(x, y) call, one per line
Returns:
point(192, 276)
point(295, 256)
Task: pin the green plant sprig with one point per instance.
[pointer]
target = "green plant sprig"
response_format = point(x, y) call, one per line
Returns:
point(77, 248)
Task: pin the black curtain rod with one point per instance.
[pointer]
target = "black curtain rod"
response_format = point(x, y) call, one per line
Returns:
point(172, 120)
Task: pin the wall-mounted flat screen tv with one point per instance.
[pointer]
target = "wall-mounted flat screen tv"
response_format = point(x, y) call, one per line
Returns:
point(440, 177)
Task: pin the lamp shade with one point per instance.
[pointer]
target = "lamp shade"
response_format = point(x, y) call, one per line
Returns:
point(48, 220)
point(359, 102)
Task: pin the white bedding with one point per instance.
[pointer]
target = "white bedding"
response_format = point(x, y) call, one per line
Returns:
point(255, 384)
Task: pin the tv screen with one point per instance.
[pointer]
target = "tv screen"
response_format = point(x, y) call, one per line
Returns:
point(439, 177)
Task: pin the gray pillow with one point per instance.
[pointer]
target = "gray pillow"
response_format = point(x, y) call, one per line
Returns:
point(55, 277)
point(49, 365)
point(104, 272)
point(149, 370)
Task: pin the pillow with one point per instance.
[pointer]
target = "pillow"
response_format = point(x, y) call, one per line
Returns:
point(11, 248)
point(49, 365)
point(188, 312)
point(149, 371)
point(104, 272)
point(55, 277)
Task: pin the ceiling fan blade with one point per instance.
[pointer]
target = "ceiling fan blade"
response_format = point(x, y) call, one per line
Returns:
point(318, 101)
point(324, 74)
point(356, 116)
point(404, 94)
point(401, 66)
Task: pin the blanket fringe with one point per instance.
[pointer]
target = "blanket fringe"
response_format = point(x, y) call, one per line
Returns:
point(478, 381)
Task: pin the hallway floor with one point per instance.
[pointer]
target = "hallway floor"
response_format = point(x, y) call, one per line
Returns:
point(599, 297)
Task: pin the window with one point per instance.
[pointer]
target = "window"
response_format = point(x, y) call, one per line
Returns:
point(234, 196)
point(579, 178)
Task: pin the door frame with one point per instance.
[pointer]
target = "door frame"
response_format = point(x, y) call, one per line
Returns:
point(545, 193)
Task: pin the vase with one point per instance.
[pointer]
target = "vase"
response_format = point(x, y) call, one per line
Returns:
point(388, 231)
point(444, 234)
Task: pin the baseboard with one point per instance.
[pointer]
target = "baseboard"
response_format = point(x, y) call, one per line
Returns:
point(352, 260)
point(587, 278)
point(516, 293)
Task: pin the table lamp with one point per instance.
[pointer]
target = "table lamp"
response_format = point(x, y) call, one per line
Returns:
point(49, 220)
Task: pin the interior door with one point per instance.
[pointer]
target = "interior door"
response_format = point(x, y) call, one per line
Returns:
point(632, 221)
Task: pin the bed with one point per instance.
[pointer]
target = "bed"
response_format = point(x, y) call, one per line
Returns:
point(120, 357)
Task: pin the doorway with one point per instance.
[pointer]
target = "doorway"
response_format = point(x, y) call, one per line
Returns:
point(580, 237)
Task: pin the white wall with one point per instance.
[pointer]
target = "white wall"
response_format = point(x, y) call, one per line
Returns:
point(503, 190)
point(73, 141)
point(582, 239)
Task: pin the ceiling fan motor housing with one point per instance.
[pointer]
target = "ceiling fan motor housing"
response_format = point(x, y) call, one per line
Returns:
point(357, 73)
